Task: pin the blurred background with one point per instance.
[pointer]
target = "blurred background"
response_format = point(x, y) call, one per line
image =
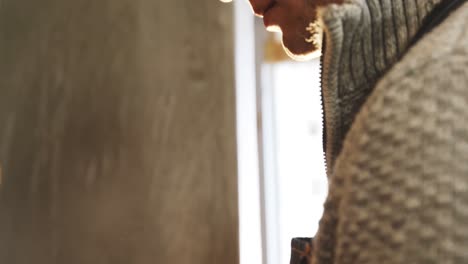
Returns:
point(282, 181)
point(151, 131)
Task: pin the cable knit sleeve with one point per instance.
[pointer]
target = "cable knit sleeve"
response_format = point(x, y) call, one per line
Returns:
point(403, 171)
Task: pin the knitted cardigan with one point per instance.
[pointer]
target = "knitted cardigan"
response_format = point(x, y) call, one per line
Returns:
point(396, 133)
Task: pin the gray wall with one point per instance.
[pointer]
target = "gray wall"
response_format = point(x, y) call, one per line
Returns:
point(117, 132)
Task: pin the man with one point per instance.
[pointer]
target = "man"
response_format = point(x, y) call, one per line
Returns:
point(395, 98)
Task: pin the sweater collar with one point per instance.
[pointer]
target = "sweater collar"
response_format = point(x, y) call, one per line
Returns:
point(363, 39)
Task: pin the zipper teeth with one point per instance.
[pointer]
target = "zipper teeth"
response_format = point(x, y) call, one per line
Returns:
point(324, 128)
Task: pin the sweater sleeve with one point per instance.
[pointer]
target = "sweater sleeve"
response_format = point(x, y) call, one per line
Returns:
point(403, 171)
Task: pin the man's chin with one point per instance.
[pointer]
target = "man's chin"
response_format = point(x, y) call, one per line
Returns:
point(302, 53)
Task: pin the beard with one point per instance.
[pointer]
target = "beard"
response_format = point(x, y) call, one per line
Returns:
point(303, 47)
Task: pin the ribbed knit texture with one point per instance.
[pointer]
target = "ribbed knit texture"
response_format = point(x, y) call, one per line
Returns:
point(397, 135)
point(364, 39)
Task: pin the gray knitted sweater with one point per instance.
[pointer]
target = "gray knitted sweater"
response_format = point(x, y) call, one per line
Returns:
point(396, 135)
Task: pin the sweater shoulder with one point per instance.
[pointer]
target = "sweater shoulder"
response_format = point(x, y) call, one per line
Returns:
point(423, 94)
point(429, 82)
point(404, 159)
point(417, 115)
point(426, 85)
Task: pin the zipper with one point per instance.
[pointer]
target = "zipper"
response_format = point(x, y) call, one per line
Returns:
point(324, 127)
